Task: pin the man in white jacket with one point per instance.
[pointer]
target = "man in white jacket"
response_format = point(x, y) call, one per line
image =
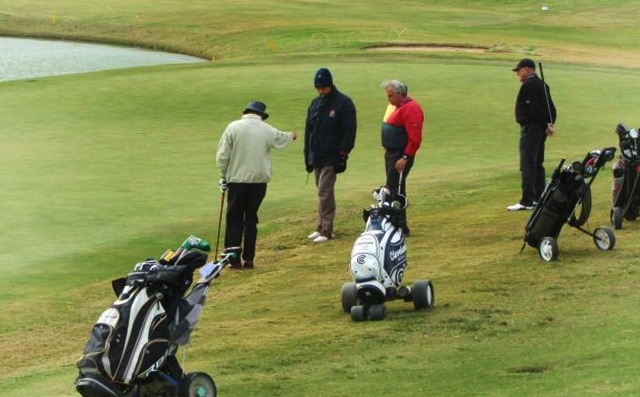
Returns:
point(245, 169)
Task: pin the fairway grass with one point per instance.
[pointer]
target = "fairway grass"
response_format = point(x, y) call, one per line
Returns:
point(99, 182)
point(102, 170)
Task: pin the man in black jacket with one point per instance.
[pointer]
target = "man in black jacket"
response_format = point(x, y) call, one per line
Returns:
point(330, 134)
point(536, 114)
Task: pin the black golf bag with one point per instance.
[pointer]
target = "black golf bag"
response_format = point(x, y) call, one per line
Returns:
point(625, 198)
point(132, 346)
point(568, 192)
point(378, 261)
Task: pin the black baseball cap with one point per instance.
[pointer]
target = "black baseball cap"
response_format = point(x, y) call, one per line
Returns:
point(524, 63)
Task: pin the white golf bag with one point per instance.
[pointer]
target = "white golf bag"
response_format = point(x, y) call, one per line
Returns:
point(379, 255)
point(378, 261)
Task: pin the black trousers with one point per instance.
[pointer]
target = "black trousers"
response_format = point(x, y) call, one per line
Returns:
point(532, 139)
point(393, 182)
point(243, 201)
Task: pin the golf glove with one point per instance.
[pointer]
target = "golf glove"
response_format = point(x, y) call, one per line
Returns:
point(342, 164)
point(223, 185)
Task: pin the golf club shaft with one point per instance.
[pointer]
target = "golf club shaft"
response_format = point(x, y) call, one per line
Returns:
point(219, 225)
point(546, 94)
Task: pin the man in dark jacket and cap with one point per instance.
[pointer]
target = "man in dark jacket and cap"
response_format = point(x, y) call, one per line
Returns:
point(330, 134)
point(535, 112)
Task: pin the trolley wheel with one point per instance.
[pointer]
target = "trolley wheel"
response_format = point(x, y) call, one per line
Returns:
point(604, 238)
point(357, 313)
point(197, 384)
point(377, 312)
point(548, 249)
point(423, 294)
point(616, 218)
point(348, 296)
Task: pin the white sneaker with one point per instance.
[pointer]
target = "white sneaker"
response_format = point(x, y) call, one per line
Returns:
point(321, 239)
point(313, 235)
point(519, 207)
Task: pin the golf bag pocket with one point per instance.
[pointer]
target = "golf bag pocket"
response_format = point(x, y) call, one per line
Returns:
point(550, 220)
point(129, 339)
point(365, 264)
point(152, 356)
point(102, 332)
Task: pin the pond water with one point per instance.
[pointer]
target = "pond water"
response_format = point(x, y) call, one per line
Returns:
point(22, 58)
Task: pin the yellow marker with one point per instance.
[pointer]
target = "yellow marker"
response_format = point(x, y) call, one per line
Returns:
point(168, 254)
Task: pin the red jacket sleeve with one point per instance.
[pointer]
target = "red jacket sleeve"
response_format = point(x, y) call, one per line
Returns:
point(413, 124)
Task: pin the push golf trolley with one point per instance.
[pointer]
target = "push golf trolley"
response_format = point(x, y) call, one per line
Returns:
point(378, 261)
point(132, 346)
point(568, 191)
point(625, 200)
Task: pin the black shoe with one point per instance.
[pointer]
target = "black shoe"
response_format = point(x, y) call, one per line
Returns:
point(235, 266)
point(248, 265)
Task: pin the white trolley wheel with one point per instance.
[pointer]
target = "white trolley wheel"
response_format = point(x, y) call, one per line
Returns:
point(197, 384)
point(604, 238)
point(548, 249)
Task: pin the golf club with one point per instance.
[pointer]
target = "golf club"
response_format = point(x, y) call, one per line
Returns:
point(219, 224)
point(191, 242)
point(396, 204)
point(546, 95)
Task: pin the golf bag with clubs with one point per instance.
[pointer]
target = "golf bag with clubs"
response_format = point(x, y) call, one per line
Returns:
point(131, 348)
point(378, 261)
point(625, 200)
point(568, 191)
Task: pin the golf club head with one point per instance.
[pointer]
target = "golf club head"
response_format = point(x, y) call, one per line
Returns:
point(382, 195)
point(622, 130)
point(609, 153)
point(400, 202)
point(195, 242)
point(576, 166)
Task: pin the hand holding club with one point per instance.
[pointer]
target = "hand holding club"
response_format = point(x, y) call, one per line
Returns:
point(222, 184)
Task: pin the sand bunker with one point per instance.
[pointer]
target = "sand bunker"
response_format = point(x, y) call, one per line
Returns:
point(429, 47)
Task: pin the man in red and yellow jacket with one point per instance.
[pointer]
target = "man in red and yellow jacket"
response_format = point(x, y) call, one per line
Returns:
point(401, 138)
